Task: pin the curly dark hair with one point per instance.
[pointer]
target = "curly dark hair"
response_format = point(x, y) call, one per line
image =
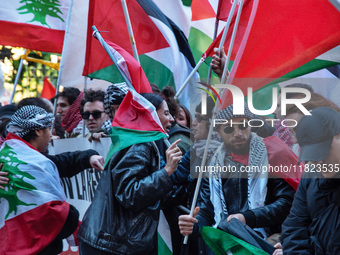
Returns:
point(91, 95)
point(70, 94)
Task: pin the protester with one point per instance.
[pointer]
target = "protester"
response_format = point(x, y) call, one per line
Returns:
point(124, 214)
point(114, 95)
point(93, 113)
point(183, 117)
point(68, 103)
point(68, 163)
point(312, 226)
point(40, 216)
point(259, 201)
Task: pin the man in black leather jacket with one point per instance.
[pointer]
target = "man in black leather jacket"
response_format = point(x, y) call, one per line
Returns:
point(253, 198)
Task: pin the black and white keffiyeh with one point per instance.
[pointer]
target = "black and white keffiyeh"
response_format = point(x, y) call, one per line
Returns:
point(114, 94)
point(27, 118)
point(257, 180)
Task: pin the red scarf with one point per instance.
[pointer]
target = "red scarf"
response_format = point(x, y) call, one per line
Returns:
point(72, 116)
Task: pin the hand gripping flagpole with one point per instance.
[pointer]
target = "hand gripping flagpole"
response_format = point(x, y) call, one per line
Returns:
point(97, 35)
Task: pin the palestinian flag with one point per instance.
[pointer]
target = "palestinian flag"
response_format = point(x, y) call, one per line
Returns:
point(163, 49)
point(293, 37)
point(33, 207)
point(35, 25)
point(223, 243)
point(129, 67)
point(136, 121)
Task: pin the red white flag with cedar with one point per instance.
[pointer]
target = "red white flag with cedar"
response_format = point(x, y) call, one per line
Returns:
point(35, 25)
point(33, 209)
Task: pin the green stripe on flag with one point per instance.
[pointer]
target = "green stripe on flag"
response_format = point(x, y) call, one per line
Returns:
point(122, 138)
point(220, 242)
point(162, 247)
point(155, 71)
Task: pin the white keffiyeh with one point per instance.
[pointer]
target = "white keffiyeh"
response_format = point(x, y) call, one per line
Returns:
point(257, 180)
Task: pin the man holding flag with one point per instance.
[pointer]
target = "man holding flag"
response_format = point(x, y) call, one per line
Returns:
point(33, 205)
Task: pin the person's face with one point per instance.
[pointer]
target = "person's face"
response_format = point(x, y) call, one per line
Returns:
point(44, 137)
point(165, 117)
point(200, 127)
point(238, 140)
point(62, 106)
point(181, 118)
point(293, 116)
point(114, 109)
point(94, 123)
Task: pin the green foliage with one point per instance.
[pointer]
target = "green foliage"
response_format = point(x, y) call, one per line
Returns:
point(41, 9)
point(16, 179)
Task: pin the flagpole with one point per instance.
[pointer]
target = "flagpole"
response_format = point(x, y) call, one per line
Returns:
point(204, 160)
point(17, 77)
point(232, 40)
point(227, 25)
point(97, 35)
point(214, 37)
point(189, 77)
point(129, 27)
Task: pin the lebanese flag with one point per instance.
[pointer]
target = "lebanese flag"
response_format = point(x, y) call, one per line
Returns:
point(136, 121)
point(37, 25)
point(33, 207)
point(282, 36)
point(48, 90)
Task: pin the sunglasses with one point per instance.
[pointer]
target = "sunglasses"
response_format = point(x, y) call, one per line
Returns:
point(200, 117)
point(95, 114)
point(230, 129)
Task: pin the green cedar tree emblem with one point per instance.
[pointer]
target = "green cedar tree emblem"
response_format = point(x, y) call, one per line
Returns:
point(16, 179)
point(41, 9)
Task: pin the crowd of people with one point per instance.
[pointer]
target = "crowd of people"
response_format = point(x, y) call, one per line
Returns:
point(295, 211)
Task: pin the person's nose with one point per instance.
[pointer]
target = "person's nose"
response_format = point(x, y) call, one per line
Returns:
point(171, 118)
point(91, 117)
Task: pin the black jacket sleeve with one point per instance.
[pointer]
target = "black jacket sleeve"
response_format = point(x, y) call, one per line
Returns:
point(137, 185)
point(71, 163)
point(278, 203)
point(295, 229)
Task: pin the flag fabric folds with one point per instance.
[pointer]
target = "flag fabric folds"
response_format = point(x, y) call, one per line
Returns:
point(221, 242)
point(292, 38)
point(163, 49)
point(35, 25)
point(136, 121)
point(33, 207)
point(48, 90)
point(128, 65)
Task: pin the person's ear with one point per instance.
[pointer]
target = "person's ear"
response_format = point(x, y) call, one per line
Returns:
point(39, 132)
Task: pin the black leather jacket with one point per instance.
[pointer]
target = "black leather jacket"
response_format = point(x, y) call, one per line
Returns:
point(277, 203)
point(124, 214)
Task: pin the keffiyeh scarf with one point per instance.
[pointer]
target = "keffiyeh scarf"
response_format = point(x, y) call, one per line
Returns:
point(27, 118)
point(257, 180)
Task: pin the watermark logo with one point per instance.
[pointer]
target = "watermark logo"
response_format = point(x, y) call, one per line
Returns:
point(238, 99)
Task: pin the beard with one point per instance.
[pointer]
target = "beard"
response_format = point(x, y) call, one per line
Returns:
point(244, 149)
